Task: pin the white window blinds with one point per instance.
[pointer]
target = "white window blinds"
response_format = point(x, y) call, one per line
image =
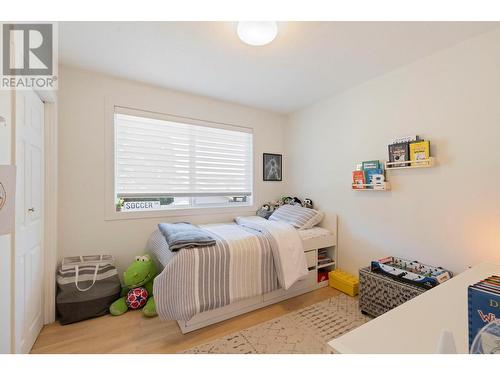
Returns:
point(159, 158)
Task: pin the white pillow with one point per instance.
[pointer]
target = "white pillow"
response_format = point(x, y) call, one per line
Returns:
point(298, 216)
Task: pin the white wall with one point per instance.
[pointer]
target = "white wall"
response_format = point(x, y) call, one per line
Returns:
point(82, 228)
point(5, 240)
point(448, 215)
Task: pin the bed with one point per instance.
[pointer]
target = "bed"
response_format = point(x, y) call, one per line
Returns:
point(252, 265)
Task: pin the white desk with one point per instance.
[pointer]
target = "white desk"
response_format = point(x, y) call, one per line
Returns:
point(415, 326)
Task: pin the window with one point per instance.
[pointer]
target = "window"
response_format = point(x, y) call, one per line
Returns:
point(162, 164)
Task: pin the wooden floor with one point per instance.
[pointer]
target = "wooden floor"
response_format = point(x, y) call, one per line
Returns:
point(133, 333)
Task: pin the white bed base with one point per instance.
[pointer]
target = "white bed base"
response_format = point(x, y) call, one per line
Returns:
point(307, 284)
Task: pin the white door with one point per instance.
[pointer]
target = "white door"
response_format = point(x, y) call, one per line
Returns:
point(29, 220)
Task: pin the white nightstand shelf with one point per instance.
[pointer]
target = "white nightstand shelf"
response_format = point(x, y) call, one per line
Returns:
point(325, 265)
point(409, 164)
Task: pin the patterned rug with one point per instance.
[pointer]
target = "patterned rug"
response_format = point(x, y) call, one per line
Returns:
point(305, 331)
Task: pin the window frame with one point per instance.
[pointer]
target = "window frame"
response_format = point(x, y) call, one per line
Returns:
point(110, 209)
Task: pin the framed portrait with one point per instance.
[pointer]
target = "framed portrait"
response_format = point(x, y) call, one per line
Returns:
point(272, 167)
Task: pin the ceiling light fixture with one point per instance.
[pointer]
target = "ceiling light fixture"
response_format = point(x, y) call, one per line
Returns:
point(257, 33)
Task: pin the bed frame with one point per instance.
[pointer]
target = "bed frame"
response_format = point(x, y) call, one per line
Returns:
point(304, 285)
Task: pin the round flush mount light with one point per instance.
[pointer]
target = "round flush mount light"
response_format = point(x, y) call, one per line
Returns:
point(257, 33)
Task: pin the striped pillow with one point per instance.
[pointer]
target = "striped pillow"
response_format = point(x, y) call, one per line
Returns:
point(298, 216)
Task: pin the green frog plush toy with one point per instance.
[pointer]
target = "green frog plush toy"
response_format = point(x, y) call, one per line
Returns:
point(138, 290)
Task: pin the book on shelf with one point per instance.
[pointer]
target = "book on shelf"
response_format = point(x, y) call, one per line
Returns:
point(378, 181)
point(399, 152)
point(358, 179)
point(420, 151)
point(369, 173)
point(484, 308)
point(371, 164)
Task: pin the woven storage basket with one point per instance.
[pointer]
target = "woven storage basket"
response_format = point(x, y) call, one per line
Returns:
point(379, 294)
point(86, 287)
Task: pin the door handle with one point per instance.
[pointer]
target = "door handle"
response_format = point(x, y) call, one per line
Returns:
point(32, 209)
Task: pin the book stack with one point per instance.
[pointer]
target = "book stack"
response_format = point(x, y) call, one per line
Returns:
point(323, 257)
point(369, 175)
point(406, 149)
point(484, 309)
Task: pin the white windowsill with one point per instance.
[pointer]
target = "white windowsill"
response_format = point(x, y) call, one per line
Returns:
point(112, 214)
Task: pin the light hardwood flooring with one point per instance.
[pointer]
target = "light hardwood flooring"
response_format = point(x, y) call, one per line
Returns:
point(134, 333)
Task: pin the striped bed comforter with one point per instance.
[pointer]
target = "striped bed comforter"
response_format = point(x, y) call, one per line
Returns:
point(249, 259)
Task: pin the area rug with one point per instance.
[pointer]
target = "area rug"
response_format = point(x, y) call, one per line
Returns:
point(305, 331)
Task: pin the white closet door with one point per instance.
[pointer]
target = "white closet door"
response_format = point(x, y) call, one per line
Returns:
point(29, 220)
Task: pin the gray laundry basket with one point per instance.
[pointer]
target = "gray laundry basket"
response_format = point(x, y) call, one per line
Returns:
point(86, 287)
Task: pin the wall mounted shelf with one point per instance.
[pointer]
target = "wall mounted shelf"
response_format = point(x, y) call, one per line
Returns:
point(425, 163)
point(384, 186)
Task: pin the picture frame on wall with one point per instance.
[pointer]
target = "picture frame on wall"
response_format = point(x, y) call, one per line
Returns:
point(272, 167)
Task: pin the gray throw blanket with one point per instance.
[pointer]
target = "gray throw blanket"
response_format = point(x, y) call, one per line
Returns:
point(182, 235)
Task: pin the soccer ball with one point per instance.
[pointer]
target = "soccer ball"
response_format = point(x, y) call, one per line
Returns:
point(136, 298)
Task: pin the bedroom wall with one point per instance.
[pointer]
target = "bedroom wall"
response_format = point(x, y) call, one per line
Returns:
point(448, 215)
point(82, 228)
point(5, 240)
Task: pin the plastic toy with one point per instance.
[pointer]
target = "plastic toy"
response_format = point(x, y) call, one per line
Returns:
point(412, 272)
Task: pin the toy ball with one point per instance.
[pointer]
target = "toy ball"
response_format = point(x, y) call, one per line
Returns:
point(136, 298)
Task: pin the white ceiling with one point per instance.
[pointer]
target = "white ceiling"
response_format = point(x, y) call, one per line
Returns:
point(305, 63)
